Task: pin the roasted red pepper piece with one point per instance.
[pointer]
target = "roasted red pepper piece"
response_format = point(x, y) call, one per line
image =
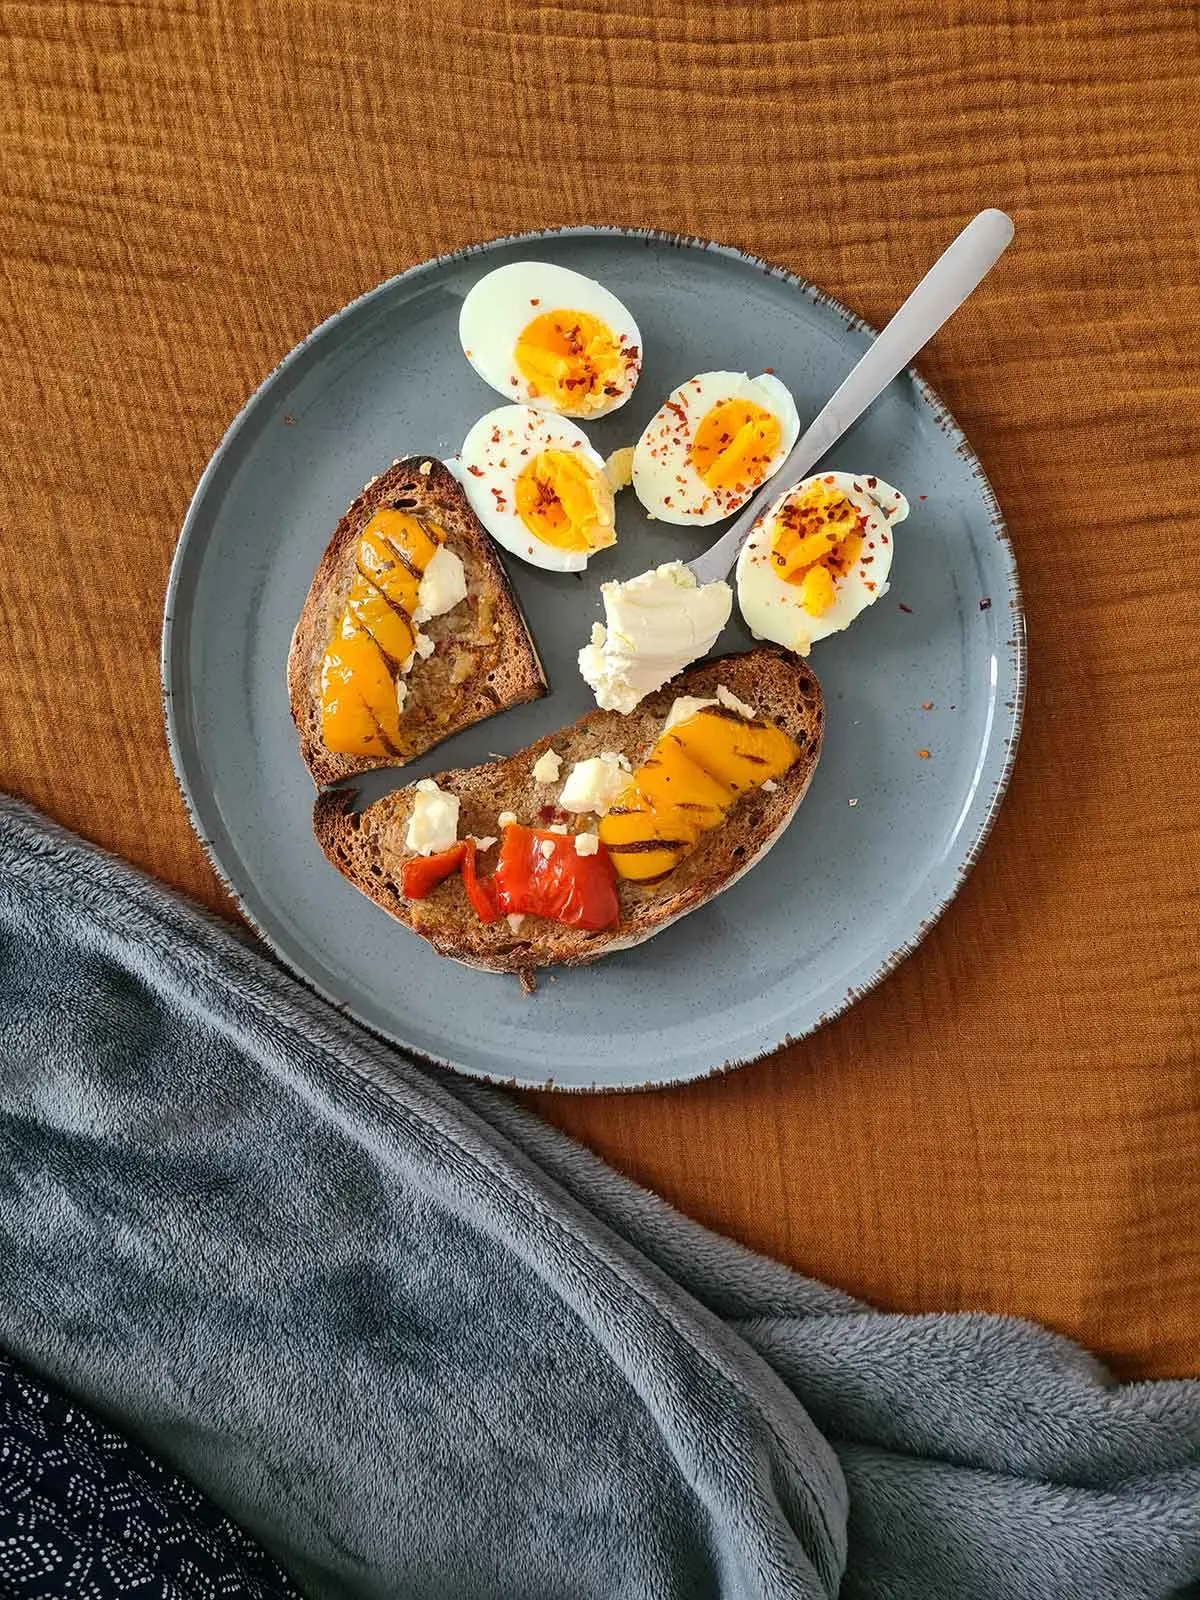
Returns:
point(580, 891)
point(423, 873)
point(479, 890)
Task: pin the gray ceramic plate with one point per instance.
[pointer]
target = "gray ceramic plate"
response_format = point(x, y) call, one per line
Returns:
point(883, 839)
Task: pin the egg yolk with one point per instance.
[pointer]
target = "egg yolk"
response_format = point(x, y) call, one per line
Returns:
point(573, 359)
point(735, 443)
point(818, 538)
point(565, 502)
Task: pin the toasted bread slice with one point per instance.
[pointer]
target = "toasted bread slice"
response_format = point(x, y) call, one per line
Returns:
point(484, 661)
point(369, 847)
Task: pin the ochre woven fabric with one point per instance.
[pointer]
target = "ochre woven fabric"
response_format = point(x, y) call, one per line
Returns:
point(1013, 1119)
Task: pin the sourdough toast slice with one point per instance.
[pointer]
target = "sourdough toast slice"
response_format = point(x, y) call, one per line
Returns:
point(484, 659)
point(369, 847)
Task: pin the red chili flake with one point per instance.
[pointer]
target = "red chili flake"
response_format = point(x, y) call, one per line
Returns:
point(673, 405)
point(871, 482)
point(985, 604)
point(770, 370)
point(495, 435)
point(666, 499)
point(535, 302)
point(289, 421)
point(924, 754)
point(546, 813)
point(503, 461)
point(829, 478)
point(905, 608)
point(871, 586)
point(476, 472)
point(922, 497)
point(513, 381)
point(883, 538)
point(926, 705)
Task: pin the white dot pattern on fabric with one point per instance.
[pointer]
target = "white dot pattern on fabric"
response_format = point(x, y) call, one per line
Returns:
point(86, 1514)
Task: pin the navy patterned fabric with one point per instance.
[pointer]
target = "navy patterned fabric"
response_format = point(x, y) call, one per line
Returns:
point(86, 1515)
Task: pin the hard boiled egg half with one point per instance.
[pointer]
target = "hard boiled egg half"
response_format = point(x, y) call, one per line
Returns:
point(819, 557)
point(717, 439)
point(538, 487)
point(551, 337)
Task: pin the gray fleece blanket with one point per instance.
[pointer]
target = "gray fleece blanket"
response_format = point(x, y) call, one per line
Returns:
point(421, 1345)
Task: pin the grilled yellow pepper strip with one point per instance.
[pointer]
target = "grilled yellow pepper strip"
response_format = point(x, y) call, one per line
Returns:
point(687, 785)
point(375, 636)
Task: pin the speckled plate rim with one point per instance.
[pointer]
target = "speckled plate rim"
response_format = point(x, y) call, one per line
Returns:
point(1005, 736)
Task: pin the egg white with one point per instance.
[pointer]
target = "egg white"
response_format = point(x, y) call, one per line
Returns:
point(503, 303)
point(495, 453)
point(664, 479)
point(772, 608)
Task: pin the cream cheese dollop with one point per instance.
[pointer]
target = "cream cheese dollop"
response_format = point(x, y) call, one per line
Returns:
point(655, 625)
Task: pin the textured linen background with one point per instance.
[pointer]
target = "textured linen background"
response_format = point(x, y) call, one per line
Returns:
point(1013, 1120)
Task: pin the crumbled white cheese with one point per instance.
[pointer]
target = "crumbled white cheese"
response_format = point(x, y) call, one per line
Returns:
point(506, 819)
point(443, 585)
point(559, 827)
point(425, 647)
point(515, 919)
point(594, 784)
point(547, 767)
point(687, 705)
point(483, 844)
point(731, 702)
point(401, 695)
point(683, 707)
point(770, 786)
point(587, 844)
point(547, 847)
point(433, 825)
point(425, 468)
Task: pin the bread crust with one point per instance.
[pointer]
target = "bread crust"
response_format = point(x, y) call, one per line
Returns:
point(486, 633)
point(368, 847)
